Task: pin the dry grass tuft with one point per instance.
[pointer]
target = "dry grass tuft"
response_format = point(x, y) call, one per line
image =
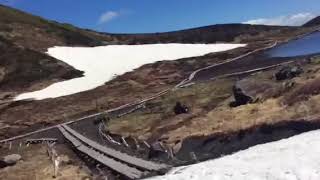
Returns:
point(303, 92)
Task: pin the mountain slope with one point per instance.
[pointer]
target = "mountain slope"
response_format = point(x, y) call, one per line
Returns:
point(20, 68)
point(34, 32)
point(207, 34)
point(23, 40)
point(313, 22)
point(32, 35)
point(25, 67)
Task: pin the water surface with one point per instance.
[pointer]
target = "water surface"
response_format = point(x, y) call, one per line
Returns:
point(307, 45)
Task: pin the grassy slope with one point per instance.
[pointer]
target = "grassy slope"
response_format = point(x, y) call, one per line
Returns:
point(34, 32)
point(23, 40)
point(21, 67)
point(211, 113)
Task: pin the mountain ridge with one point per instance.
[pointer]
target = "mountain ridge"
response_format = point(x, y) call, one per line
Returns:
point(313, 22)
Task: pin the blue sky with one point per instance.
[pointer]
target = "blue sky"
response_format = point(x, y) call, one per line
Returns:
point(167, 15)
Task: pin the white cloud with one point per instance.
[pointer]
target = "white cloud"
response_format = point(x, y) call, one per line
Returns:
point(108, 16)
point(291, 20)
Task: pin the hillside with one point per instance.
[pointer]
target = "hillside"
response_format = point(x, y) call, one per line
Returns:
point(313, 22)
point(21, 67)
point(208, 34)
point(23, 40)
point(36, 33)
point(32, 35)
point(33, 70)
point(230, 99)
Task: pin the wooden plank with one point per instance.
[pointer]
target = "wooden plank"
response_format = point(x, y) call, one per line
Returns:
point(128, 171)
point(68, 136)
point(118, 155)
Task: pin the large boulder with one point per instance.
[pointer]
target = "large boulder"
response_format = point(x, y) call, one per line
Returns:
point(240, 98)
point(180, 109)
point(10, 160)
point(251, 90)
point(288, 72)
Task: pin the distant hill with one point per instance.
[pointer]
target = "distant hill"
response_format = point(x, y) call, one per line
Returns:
point(313, 22)
point(207, 34)
point(36, 33)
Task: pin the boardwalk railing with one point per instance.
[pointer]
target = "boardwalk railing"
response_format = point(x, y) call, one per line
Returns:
point(122, 163)
point(117, 166)
point(148, 165)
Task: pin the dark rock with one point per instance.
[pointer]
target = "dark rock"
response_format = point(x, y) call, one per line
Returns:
point(251, 90)
point(180, 109)
point(3, 164)
point(240, 97)
point(157, 151)
point(10, 160)
point(288, 72)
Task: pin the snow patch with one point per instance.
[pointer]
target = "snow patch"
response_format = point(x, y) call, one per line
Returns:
point(296, 158)
point(101, 64)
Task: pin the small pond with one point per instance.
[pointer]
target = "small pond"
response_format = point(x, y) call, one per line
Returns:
point(307, 45)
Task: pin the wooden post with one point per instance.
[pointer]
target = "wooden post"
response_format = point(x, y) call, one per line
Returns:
point(148, 146)
point(56, 166)
point(136, 142)
point(124, 141)
point(53, 155)
point(194, 157)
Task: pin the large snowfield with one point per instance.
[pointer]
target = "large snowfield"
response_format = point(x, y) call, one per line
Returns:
point(101, 64)
point(295, 158)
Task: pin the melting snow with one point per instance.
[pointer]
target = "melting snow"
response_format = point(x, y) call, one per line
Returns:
point(101, 64)
point(296, 158)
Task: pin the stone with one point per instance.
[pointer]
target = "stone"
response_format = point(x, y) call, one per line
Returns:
point(240, 97)
point(251, 90)
point(157, 151)
point(12, 159)
point(180, 109)
point(288, 72)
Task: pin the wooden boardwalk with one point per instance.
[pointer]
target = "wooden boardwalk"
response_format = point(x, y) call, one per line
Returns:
point(122, 163)
point(119, 167)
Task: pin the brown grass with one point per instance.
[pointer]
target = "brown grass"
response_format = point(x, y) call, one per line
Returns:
point(36, 165)
point(211, 113)
point(304, 92)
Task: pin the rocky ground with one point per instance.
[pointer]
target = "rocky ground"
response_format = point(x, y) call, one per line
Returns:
point(36, 164)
